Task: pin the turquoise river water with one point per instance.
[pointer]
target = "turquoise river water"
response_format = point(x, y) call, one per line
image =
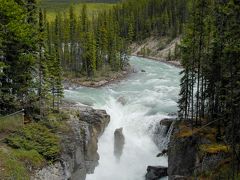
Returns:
point(150, 96)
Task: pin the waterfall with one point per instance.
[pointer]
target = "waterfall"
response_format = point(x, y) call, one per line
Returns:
point(162, 134)
point(170, 132)
point(145, 98)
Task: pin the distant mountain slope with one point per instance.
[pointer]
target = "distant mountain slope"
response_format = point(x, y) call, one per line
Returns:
point(93, 6)
point(54, 2)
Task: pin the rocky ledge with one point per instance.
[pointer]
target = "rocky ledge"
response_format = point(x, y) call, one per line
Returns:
point(161, 137)
point(156, 172)
point(194, 155)
point(79, 145)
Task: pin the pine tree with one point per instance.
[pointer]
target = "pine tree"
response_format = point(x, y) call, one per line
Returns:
point(18, 55)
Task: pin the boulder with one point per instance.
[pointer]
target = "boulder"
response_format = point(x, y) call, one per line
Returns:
point(143, 70)
point(122, 100)
point(156, 172)
point(119, 142)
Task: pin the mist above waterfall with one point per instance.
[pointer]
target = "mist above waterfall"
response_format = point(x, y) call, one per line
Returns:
point(148, 97)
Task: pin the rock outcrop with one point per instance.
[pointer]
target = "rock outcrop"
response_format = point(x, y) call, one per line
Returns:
point(186, 158)
point(156, 172)
point(122, 100)
point(161, 137)
point(182, 157)
point(119, 142)
point(79, 145)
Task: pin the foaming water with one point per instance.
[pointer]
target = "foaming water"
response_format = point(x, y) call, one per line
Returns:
point(149, 97)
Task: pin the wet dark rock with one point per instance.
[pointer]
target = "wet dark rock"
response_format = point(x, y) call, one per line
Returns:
point(166, 122)
point(177, 177)
point(119, 142)
point(156, 172)
point(122, 100)
point(185, 159)
point(163, 153)
point(182, 156)
point(143, 70)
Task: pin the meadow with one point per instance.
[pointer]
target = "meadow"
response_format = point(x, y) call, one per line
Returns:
point(54, 6)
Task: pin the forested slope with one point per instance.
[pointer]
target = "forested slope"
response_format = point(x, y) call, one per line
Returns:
point(36, 54)
point(210, 96)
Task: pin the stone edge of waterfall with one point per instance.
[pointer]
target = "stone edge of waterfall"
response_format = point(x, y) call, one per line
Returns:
point(79, 155)
point(161, 137)
point(185, 159)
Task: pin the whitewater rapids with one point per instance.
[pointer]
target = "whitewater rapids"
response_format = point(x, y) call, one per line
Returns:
point(149, 97)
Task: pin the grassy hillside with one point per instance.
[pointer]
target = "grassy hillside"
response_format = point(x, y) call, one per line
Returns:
point(94, 6)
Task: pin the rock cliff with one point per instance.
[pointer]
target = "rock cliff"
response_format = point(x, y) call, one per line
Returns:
point(79, 145)
point(195, 155)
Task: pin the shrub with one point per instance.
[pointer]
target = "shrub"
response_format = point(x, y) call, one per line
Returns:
point(37, 137)
point(31, 159)
point(11, 123)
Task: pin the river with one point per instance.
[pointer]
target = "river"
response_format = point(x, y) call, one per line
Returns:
point(150, 96)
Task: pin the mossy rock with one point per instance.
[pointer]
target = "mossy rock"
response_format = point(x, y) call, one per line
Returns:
point(214, 148)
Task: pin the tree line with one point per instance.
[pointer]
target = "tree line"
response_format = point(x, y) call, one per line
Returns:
point(36, 54)
point(30, 73)
point(210, 81)
point(88, 45)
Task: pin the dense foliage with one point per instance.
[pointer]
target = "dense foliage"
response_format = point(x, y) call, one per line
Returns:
point(30, 75)
point(34, 53)
point(139, 19)
point(87, 45)
point(210, 86)
point(36, 137)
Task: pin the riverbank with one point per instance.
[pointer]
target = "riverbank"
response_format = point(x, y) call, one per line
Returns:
point(162, 49)
point(172, 63)
point(113, 77)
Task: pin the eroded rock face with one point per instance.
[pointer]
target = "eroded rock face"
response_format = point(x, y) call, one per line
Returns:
point(119, 142)
point(79, 146)
point(185, 160)
point(182, 156)
point(52, 172)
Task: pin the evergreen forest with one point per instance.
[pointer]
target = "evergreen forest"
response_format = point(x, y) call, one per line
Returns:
point(38, 54)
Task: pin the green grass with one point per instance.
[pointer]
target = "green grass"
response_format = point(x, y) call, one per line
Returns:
point(11, 123)
point(38, 137)
point(11, 168)
point(17, 164)
point(93, 9)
